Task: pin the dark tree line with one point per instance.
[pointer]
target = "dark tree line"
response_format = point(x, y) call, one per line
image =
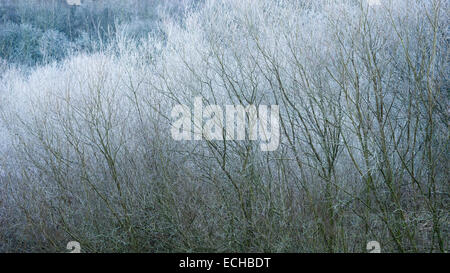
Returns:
point(34, 31)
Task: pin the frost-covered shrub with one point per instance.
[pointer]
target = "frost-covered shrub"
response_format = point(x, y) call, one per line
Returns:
point(83, 43)
point(20, 43)
point(53, 45)
point(138, 29)
point(3, 66)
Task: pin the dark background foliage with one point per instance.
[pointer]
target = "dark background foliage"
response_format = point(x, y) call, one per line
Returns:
point(34, 31)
